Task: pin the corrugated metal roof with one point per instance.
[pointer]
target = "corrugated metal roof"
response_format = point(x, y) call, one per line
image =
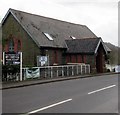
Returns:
point(59, 30)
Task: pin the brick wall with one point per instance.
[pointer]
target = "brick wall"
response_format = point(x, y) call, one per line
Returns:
point(29, 48)
point(55, 55)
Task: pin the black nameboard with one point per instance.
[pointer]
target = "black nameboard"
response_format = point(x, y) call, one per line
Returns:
point(12, 58)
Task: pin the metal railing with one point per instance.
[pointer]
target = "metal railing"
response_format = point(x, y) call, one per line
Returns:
point(46, 72)
point(56, 71)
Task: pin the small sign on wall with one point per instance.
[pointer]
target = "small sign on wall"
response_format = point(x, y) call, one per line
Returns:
point(42, 60)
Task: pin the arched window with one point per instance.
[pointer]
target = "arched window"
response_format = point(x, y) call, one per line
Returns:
point(19, 45)
point(55, 56)
point(11, 45)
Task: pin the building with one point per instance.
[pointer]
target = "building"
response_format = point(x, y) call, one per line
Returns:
point(61, 41)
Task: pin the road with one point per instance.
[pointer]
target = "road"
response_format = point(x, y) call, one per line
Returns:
point(89, 95)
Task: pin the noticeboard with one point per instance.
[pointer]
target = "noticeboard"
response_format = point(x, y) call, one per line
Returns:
point(12, 58)
point(42, 60)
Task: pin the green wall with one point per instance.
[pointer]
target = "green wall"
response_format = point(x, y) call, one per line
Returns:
point(29, 48)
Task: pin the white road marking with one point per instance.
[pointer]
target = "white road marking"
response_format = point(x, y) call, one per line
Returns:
point(41, 109)
point(101, 89)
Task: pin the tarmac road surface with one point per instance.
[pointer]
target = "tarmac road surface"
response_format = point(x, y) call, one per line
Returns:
point(89, 95)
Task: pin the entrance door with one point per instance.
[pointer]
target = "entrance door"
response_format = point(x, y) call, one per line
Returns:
point(99, 62)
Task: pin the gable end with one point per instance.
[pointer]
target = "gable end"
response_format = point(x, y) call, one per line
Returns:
point(5, 18)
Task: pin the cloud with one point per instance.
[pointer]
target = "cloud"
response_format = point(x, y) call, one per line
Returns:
point(101, 16)
point(76, 2)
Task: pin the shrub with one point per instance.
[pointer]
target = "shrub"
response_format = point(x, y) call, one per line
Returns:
point(9, 69)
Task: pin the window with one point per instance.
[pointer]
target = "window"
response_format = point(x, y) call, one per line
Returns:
point(73, 37)
point(82, 58)
point(55, 56)
point(19, 45)
point(11, 45)
point(48, 36)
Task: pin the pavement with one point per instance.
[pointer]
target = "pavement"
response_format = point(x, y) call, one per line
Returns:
point(17, 84)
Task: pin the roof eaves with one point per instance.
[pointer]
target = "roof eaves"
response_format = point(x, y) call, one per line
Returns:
point(107, 48)
point(90, 30)
point(79, 52)
point(100, 41)
point(6, 15)
point(97, 46)
point(104, 47)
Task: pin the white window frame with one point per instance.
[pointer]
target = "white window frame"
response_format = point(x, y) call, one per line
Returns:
point(48, 36)
point(73, 37)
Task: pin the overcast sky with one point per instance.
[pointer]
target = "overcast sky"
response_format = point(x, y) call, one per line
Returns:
point(101, 16)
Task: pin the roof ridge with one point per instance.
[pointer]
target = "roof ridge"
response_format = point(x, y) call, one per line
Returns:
point(47, 17)
point(83, 39)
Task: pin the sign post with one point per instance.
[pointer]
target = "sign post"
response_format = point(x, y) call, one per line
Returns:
point(13, 59)
point(3, 59)
point(21, 66)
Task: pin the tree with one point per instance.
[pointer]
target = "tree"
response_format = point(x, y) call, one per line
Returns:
point(114, 54)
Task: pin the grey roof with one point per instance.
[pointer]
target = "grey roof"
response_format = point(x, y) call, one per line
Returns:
point(60, 31)
point(83, 45)
point(107, 48)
